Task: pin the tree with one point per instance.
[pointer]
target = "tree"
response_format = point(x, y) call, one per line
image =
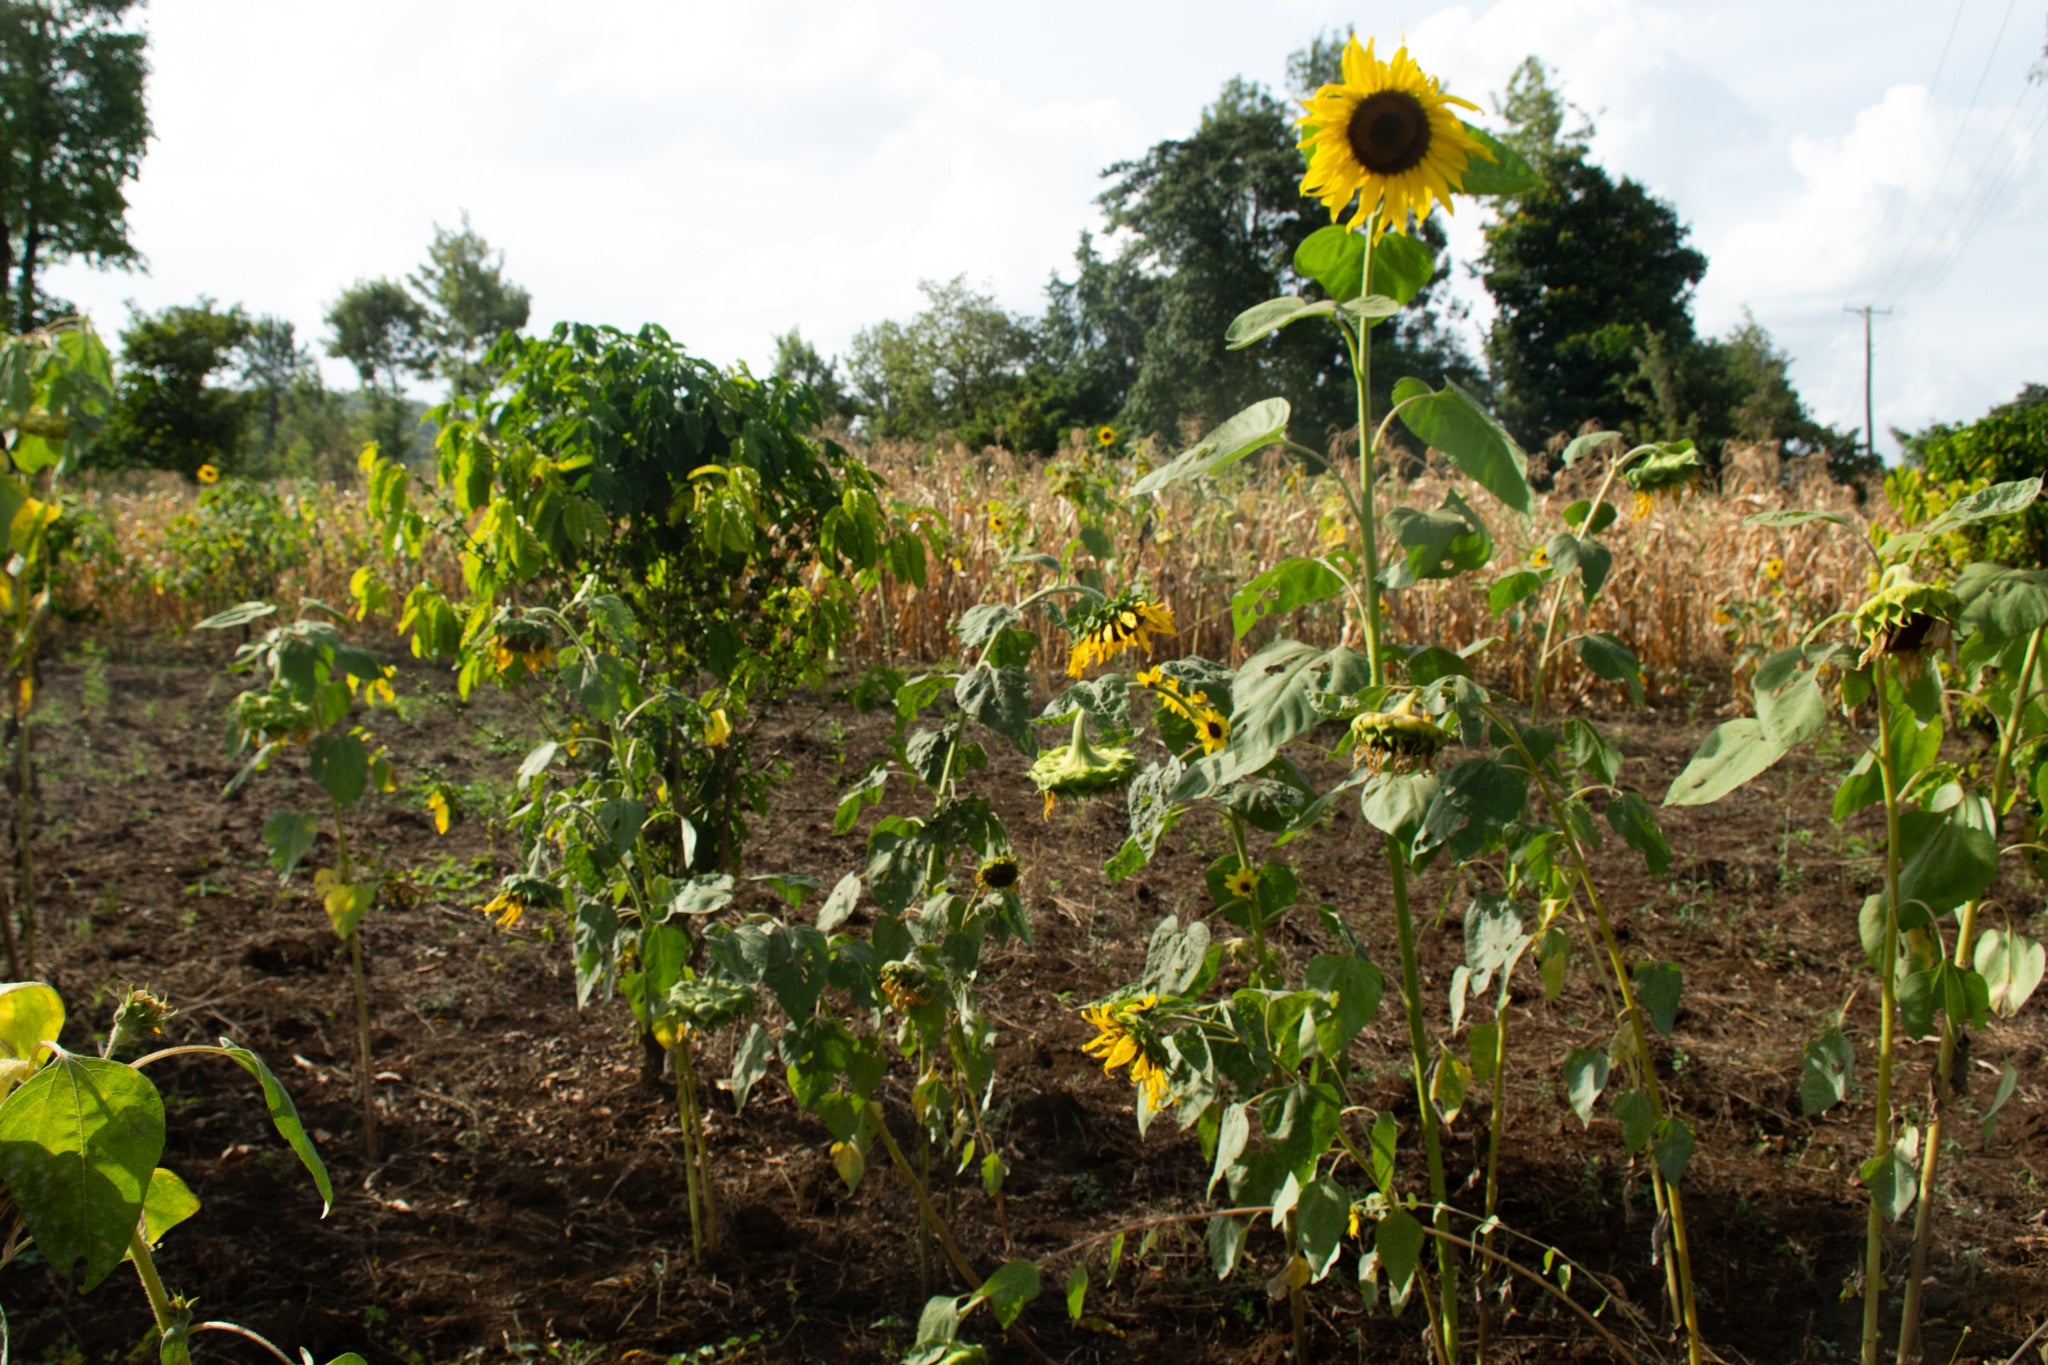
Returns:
point(167, 414)
point(1209, 225)
point(274, 365)
point(798, 361)
point(383, 331)
point(73, 127)
point(470, 304)
point(956, 367)
point(1593, 281)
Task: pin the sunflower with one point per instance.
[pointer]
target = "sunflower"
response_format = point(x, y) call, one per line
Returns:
point(1386, 134)
point(1080, 767)
point(1398, 738)
point(1541, 559)
point(1105, 436)
point(1212, 727)
point(1122, 1036)
point(1774, 568)
point(208, 474)
point(1126, 621)
point(906, 986)
point(1242, 884)
point(717, 729)
point(997, 874)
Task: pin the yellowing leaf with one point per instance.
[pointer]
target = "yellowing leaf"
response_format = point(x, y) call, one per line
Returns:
point(437, 802)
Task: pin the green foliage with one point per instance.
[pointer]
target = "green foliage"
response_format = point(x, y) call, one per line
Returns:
point(958, 366)
point(1945, 464)
point(385, 333)
point(71, 82)
point(470, 305)
point(236, 543)
point(167, 412)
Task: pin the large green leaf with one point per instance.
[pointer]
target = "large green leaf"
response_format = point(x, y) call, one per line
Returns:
point(31, 1017)
point(1658, 986)
point(1824, 1072)
point(1607, 657)
point(999, 698)
point(1999, 500)
point(1334, 257)
point(2011, 964)
point(1737, 751)
point(1398, 1240)
point(1287, 585)
point(1014, 1284)
point(1274, 693)
point(1441, 544)
point(1321, 1218)
point(1452, 421)
point(284, 1116)
point(341, 765)
point(1944, 859)
point(290, 835)
point(1264, 319)
point(79, 1142)
point(1258, 426)
point(1509, 172)
point(1401, 266)
point(168, 1202)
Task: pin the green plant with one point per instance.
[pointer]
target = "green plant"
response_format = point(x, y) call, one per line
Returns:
point(79, 1141)
point(311, 682)
point(1889, 659)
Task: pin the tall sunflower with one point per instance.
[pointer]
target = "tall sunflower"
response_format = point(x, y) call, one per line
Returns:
point(1385, 133)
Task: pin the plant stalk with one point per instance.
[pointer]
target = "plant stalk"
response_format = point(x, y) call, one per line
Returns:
point(366, 1085)
point(1887, 978)
point(173, 1322)
point(1432, 1143)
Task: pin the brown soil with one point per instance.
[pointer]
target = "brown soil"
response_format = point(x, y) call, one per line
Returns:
point(530, 1200)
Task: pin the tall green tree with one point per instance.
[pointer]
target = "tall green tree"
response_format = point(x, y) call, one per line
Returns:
point(384, 332)
point(1592, 279)
point(469, 305)
point(168, 411)
point(798, 361)
point(956, 366)
point(73, 127)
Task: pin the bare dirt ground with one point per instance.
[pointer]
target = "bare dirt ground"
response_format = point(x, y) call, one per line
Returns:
point(529, 1202)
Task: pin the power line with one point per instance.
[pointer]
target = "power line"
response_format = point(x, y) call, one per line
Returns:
point(2017, 157)
point(1962, 126)
point(1885, 218)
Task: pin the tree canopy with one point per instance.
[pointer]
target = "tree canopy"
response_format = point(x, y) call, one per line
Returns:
point(167, 412)
point(73, 127)
point(469, 303)
point(383, 331)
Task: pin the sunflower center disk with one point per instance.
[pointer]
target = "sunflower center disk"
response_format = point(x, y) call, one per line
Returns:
point(1389, 132)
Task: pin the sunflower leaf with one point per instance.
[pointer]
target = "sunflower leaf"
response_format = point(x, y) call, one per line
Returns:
point(1334, 257)
point(1264, 319)
point(1508, 173)
point(1258, 426)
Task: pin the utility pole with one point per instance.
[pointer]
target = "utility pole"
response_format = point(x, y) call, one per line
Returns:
point(1869, 418)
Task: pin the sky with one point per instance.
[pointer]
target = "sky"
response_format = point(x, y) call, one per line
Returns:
point(731, 171)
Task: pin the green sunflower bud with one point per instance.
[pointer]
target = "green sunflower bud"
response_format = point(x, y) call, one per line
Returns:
point(1080, 767)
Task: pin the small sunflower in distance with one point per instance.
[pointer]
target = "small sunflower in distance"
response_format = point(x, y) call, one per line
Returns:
point(207, 474)
point(1774, 568)
point(1386, 134)
point(1126, 621)
point(1105, 436)
point(1243, 883)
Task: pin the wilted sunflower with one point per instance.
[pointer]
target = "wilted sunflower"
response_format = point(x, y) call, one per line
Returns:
point(1540, 558)
point(906, 986)
point(207, 474)
point(1080, 767)
point(1126, 621)
point(1398, 738)
point(1122, 1035)
point(1386, 134)
point(1905, 618)
point(997, 874)
point(1105, 436)
point(525, 641)
point(717, 729)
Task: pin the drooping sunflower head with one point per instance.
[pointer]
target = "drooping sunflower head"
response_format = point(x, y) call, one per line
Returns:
point(999, 873)
point(523, 640)
point(1905, 618)
point(906, 986)
point(1666, 471)
point(1125, 1034)
point(517, 894)
point(1387, 135)
point(1126, 621)
point(1079, 767)
point(1397, 739)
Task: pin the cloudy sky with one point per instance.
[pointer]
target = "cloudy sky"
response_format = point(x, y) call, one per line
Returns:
point(732, 170)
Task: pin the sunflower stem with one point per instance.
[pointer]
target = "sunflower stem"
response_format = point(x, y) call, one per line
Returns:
point(1887, 977)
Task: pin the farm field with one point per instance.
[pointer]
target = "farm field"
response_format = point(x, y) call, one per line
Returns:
point(529, 1203)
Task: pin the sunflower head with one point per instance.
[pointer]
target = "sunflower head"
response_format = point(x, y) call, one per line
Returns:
point(1774, 568)
point(1105, 436)
point(523, 640)
point(1212, 727)
point(906, 986)
point(1125, 1034)
point(1126, 621)
point(1386, 135)
point(1905, 618)
point(999, 873)
point(207, 474)
point(1242, 884)
point(1398, 739)
point(717, 729)
point(1668, 471)
point(1080, 767)
point(140, 1017)
point(1540, 558)
point(517, 894)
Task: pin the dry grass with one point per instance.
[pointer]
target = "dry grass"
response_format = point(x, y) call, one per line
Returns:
point(1690, 591)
